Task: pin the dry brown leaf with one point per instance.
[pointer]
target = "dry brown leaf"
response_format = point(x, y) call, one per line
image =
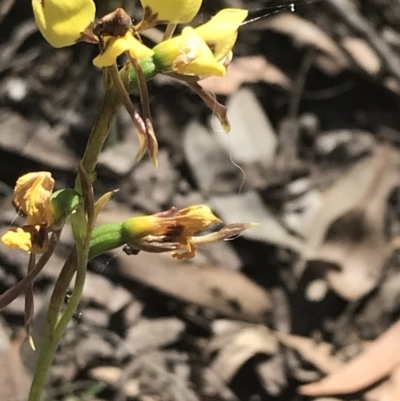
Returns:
point(305, 33)
point(226, 291)
point(242, 345)
point(246, 69)
point(348, 229)
point(319, 354)
point(362, 54)
point(389, 390)
point(106, 374)
point(380, 359)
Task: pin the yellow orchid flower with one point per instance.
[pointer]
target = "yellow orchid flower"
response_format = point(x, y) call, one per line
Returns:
point(115, 46)
point(169, 230)
point(62, 22)
point(65, 22)
point(170, 12)
point(32, 195)
point(202, 51)
point(220, 33)
point(195, 57)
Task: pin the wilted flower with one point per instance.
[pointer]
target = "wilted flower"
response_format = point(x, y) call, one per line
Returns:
point(32, 195)
point(169, 230)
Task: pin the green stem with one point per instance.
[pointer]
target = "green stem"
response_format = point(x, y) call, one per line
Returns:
point(106, 238)
point(101, 128)
point(49, 345)
point(77, 260)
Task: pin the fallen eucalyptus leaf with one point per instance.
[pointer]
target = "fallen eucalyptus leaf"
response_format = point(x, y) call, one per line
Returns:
point(304, 33)
point(226, 291)
point(319, 354)
point(347, 237)
point(379, 359)
point(246, 69)
point(240, 346)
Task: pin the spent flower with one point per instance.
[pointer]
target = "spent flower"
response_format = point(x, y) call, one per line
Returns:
point(44, 210)
point(32, 194)
point(169, 230)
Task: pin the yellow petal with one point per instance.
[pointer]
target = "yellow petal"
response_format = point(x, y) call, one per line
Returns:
point(195, 57)
point(115, 46)
point(188, 55)
point(32, 195)
point(188, 254)
point(18, 238)
point(61, 22)
point(220, 32)
point(28, 239)
point(173, 11)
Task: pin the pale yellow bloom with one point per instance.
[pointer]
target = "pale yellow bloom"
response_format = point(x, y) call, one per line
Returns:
point(173, 11)
point(115, 46)
point(61, 22)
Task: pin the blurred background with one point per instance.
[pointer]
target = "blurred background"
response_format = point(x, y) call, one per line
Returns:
point(313, 99)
